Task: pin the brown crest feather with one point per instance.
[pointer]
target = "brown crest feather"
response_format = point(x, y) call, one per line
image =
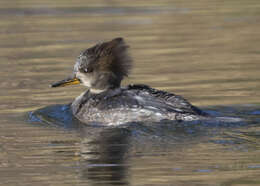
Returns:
point(109, 62)
point(114, 57)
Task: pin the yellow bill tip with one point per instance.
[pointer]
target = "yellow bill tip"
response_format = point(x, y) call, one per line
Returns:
point(66, 82)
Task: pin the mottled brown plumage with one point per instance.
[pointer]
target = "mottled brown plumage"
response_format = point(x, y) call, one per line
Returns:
point(102, 68)
point(108, 62)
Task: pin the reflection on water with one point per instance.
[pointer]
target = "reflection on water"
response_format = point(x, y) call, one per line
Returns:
point(206, 51)
point(112, 155)
point(104, 158)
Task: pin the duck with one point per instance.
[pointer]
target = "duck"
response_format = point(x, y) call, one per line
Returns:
point(102, 68)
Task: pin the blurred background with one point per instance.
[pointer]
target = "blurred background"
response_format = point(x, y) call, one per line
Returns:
point(205, 50)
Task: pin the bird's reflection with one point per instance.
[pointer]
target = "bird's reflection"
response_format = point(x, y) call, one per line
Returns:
point(104, 155)
point(104, 151)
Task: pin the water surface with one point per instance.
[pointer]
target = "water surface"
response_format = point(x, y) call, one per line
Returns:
point(206, 51)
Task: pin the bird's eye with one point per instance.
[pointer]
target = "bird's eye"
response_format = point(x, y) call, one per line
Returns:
point(87, 70)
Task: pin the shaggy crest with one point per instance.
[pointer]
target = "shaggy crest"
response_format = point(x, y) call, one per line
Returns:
point(107, 57)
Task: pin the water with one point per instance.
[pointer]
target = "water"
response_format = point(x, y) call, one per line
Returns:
point(206, 51)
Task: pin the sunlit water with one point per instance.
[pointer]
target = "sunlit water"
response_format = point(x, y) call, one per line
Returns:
point(206, 51)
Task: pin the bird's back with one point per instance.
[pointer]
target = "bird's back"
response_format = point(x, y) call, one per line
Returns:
point(133, 103)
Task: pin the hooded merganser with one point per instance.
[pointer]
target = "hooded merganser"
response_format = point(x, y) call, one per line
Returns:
point(102, 68)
